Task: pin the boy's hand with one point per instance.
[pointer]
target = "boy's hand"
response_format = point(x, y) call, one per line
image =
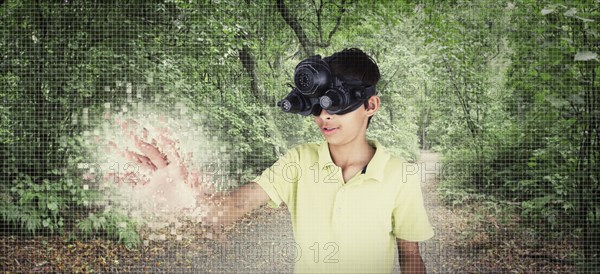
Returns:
point(157, 168)
point(410, 257)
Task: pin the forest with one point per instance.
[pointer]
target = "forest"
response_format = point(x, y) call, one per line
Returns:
point(506, 91)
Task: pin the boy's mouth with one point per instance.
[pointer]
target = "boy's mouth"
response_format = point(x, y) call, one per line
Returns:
point(328, 130)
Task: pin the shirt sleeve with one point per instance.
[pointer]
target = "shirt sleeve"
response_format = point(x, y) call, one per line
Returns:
point(280, 180)
point(409, 218)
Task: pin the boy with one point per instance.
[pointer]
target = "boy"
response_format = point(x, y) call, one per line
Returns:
point(348, 198)
point(350, 201)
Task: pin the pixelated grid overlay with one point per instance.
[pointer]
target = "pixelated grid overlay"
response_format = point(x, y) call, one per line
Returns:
point(132, 132)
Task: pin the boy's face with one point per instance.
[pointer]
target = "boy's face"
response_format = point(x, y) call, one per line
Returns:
point(343, 129)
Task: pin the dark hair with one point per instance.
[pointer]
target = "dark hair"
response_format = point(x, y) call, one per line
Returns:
point(354, 64)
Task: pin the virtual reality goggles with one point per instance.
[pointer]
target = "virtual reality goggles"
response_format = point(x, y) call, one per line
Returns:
point(317, 89)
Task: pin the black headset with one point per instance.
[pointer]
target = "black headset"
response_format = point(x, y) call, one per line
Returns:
point(317, 89)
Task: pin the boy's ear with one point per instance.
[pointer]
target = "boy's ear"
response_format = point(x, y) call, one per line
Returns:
point(374, 103)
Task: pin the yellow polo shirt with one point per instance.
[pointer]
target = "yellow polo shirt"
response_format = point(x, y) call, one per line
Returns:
point(346, 227)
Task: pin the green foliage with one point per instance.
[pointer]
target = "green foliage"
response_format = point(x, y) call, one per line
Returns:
point(113, 224)
point(44, 206)
point(249, 134)
point(517, 114)
point(559, 113)
point(455, 194)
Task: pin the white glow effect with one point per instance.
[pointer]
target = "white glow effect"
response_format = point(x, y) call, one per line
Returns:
point(154, 166)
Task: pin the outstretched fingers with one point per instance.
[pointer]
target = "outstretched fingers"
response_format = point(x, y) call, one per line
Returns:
point(171, 151)
point(141, 160)
point(149, 150)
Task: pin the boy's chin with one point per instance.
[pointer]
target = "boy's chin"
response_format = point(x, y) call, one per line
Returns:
point(332, 140)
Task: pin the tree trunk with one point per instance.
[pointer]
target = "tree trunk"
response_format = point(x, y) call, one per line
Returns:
point(296, 27)
point(249, 64)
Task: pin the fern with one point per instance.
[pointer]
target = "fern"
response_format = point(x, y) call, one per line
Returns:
point(86, 226)
point(113, 224)
point(31, 221)
point(10, 213)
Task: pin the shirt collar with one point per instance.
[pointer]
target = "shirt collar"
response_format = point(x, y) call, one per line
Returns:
point(375, 168)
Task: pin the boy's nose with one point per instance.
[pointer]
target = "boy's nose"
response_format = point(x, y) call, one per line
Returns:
point(325, 115)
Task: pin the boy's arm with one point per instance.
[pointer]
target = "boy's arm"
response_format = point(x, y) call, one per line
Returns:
point(162, 162)
point(226, 207)
point(410, 257)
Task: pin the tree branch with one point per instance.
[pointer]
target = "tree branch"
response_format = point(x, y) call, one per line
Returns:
point(296, 27)
point(319, 11)
point(338, 21)
point(462, 101)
